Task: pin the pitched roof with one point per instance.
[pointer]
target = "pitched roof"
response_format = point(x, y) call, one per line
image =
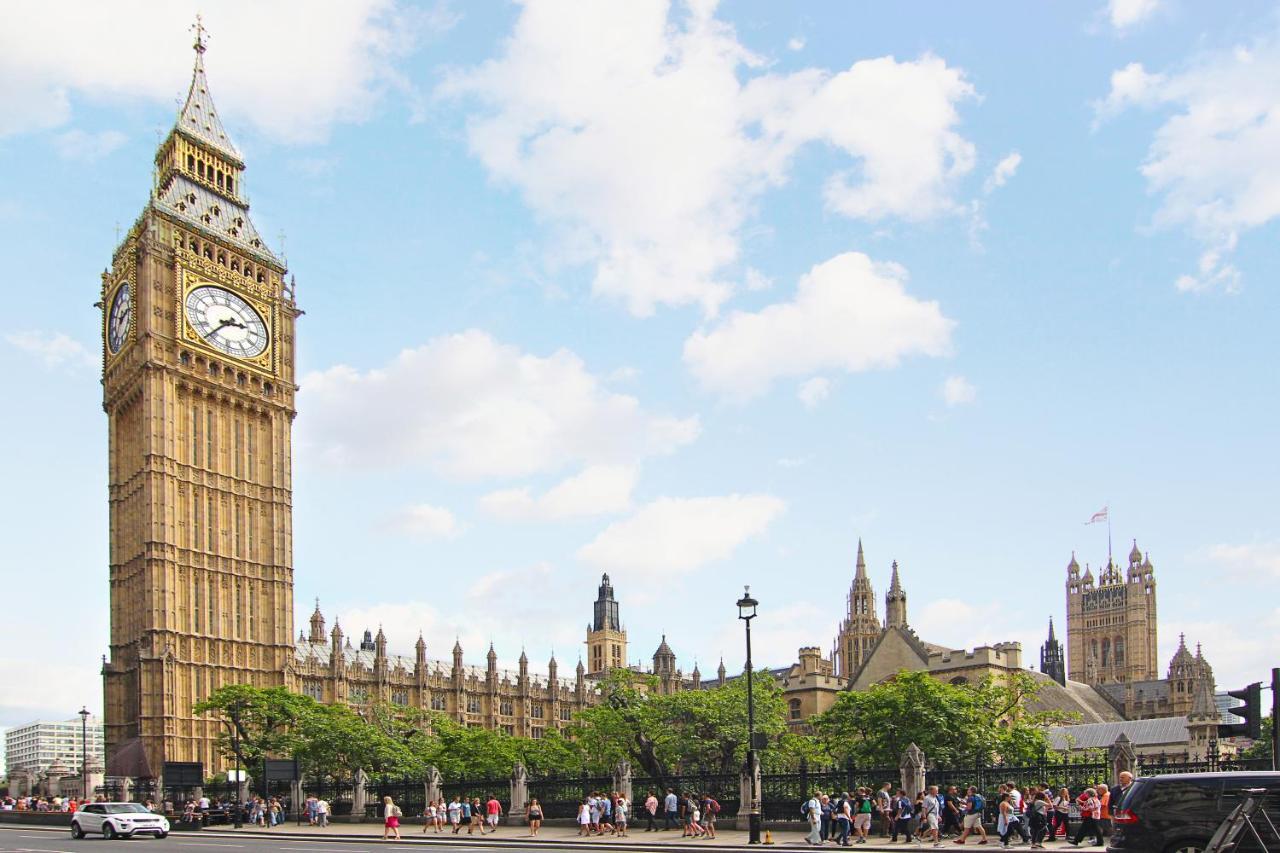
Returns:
point(1171, 731)
point(199, 118)
point(188, 202)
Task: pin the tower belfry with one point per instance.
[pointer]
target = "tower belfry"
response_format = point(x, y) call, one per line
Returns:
point(606, 638)
point(198, 388)
point(861, 627)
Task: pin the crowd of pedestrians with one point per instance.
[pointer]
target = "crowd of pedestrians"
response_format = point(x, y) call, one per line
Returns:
point(1032, 815)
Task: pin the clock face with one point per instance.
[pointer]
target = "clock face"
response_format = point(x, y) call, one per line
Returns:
point(119, 318)
point(226, 322)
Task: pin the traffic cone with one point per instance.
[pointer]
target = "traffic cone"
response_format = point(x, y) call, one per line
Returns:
point(768, 837)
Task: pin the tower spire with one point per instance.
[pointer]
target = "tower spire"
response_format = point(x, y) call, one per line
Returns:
point(862, 562)
point(198, 117)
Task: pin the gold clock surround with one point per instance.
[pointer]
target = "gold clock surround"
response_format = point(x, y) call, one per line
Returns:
point(189, 278)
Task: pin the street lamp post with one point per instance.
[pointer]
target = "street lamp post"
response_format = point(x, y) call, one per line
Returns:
point(84, 753)
point(747, 612)
point(234, 727)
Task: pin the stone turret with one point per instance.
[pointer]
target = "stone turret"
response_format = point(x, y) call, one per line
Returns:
point(317, 625)
point(420, 656)
point(895, 602)
point(1052, 661)
point(720, 673)
point(337, 652)
point(366, 643)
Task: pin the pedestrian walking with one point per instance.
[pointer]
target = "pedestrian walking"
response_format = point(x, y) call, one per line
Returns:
point(812, 810)
point(535, 816)
point(390, 819)
point(975, 806)
point(1090, 807)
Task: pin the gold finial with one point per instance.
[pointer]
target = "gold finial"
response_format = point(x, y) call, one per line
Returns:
point(201, 33)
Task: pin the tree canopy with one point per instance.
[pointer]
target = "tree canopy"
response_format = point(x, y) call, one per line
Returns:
point(953, 723)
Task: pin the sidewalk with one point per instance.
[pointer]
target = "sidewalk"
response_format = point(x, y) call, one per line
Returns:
point(559, 836)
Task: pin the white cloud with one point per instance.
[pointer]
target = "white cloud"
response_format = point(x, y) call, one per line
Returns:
point(958, 391)
point(1248, 559)
point(427, 521)
point(598, 490)
point(1004, 170)
point(756, 280)
point(87, 147)
point(1238, 655)
point(54, 349)
point(674, 535)
point(849, 313)
point(1215, 162)
point(964, 624)
point(646, 136)
point(472, 407)
point(795, 43)
point(1127, 13)
point(52, 55)
point(814, 391)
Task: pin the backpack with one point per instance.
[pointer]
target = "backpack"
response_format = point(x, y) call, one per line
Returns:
point(713, 807)
point(978, 804)
point(804, 809)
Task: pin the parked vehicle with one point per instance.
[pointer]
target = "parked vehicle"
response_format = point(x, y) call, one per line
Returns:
point(1180, 812)
point(118, 820)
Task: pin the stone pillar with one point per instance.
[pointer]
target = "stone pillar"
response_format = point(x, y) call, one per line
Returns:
point(1121, 756)
point(748, 786)
point(433, 784)
point(518, 810)
point(622, 779)
point(358, 796)
point(296, 800)
point(911, 771)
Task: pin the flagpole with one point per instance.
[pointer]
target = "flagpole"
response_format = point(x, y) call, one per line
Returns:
point(1108, 533)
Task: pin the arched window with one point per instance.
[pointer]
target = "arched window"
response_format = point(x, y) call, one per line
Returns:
point(235, 265)
point(222, 258)
point(794, 706)
point(200, 168)
point(261, 277)
point(191, 163)
point(959, 680)
point(1106, 652)
point(1118, 648)
point(231, 184)
point(208, 252)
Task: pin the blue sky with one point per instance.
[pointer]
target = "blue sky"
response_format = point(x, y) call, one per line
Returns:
point(694, 295)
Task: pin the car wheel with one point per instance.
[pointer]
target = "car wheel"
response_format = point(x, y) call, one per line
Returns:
point(108, 831)
point(162, 835)
point(76, 831)
point(1191, 846)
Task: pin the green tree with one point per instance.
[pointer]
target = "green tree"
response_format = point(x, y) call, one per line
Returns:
point(265, 719)
point(702, 729)
point(953, 724)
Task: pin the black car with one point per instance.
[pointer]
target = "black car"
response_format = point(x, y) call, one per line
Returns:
point(1180, 812)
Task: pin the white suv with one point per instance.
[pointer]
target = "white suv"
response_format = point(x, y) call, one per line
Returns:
point(117, 820)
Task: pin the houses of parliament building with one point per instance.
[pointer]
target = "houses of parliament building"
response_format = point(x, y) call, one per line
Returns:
point(198, 353)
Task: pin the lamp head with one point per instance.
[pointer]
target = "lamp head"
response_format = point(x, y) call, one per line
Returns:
point(747, 605)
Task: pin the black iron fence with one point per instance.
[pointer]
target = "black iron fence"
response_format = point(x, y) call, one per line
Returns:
point(560, 796)
point(782, 794)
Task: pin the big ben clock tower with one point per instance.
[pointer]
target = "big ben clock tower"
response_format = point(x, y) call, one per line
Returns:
point(198, 387)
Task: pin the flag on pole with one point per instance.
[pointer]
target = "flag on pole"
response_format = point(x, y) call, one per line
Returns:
point(1100, 515)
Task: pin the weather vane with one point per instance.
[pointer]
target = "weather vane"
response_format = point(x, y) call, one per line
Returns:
point(201, 33)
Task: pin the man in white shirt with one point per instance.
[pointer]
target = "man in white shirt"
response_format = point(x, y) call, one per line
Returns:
point(932, 814)
point(813, 813)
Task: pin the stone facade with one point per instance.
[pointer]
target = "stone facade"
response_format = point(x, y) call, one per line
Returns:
point(1111, 625)
point(198, 388)
point(328, 668)
point(1111, 642)
point(810, 687)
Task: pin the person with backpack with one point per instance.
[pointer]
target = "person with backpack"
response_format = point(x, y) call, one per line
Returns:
point(975, 805)
point(843, 811)
point(902, 815)
point(710, 811)
point(812, 811)
point(862, 815)
point(390, 819)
